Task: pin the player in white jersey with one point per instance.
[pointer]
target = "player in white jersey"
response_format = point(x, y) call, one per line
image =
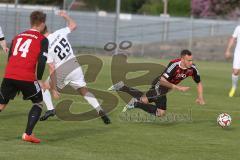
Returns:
point(63, 63)
point(3, 42)
point(235, 38)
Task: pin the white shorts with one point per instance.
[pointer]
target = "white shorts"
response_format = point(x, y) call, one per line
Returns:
point(75, 79)
point(236, 60)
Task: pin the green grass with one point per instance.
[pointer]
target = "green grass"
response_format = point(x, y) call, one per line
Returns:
point(197, 138)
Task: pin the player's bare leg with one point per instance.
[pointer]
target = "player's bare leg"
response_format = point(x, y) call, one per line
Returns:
point(144, 99)
point(83, 91)
point(2, 107)
point(90, 98)
point(235, 75)
point(160, 112)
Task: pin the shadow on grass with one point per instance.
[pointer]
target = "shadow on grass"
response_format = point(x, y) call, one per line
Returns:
point(10, 116)
point(73, 134)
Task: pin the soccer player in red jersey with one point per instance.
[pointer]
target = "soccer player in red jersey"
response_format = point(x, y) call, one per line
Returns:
point(27, 52)
point(176, 71)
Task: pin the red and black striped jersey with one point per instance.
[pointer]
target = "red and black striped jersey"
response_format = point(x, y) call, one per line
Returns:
point(174, 73)
point(25, 51)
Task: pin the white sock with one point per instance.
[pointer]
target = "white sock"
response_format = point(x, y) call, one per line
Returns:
point(92, 101)
point(234, 81)
point(47, 98)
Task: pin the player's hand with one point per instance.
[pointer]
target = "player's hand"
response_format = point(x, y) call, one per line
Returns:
point(182, 88)
point(44, 85)
point(200, 101)
point(41, 84)
point(55, 94)
point(6, 50)
point(62, 13)
point(228, 55)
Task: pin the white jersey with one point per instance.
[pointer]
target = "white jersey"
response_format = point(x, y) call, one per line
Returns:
point(59, 50)
point(236, 34)
point(60, 54)
point(1, 33)
point(236, 57)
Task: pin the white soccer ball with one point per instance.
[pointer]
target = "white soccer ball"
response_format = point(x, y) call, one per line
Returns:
point(224, 120)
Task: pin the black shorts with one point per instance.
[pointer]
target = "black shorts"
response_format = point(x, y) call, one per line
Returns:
point(10, 88)
point(158, 95)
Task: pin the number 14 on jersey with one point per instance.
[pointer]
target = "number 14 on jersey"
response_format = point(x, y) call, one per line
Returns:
point(22, 47)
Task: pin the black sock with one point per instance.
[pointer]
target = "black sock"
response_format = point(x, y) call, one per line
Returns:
point(33, 117)
point(146, 107)
point(132, 91)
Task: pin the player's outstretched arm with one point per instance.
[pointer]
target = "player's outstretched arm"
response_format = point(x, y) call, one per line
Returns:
point(53, 79)
point(169, 85)
point(231, 42)
point(72, 25)
point(53, 82)
point(200, 99)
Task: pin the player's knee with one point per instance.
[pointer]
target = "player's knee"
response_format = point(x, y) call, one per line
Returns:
point(160, 113)
point(3, 102)
point(2, 106)
point(40, 105)
point(144, 99)
point(235, 72)
point(83, 91)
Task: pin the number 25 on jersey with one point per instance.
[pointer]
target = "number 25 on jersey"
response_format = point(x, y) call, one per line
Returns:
point(22, 47)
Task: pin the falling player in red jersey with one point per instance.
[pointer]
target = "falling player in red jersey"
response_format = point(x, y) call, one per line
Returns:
point(176, 71)
point(27, 51)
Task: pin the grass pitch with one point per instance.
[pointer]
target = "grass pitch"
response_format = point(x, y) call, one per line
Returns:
point(189, 131)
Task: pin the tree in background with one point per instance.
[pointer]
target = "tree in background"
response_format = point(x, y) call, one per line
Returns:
point(132, 6)
point(175, 7)
point(198, 8)
point(128, 6)
point(38, 2)
point(150, 7)
point(107, 5)
point(216, 8)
